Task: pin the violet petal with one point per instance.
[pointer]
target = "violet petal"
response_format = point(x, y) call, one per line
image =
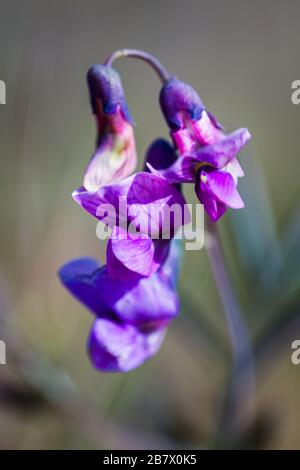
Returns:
point(135, 252)
point(219, 155)
point(78, 276)
point(120, 348)
point(222, 186)
point(143, 199)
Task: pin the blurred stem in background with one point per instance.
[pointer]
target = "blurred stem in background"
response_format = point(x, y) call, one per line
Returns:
point(242, 377)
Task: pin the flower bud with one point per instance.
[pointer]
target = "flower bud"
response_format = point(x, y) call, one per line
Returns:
point(106, 91)
point(115, 155)
point(178, 99)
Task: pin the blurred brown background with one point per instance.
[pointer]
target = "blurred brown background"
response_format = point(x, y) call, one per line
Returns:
point(242, 57)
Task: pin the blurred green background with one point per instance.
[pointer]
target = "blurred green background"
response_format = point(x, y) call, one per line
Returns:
point(241, 56)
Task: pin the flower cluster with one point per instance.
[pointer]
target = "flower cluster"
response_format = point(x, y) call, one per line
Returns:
point(133, 297)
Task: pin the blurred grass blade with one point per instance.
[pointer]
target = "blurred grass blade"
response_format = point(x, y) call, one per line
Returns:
point(291, 247)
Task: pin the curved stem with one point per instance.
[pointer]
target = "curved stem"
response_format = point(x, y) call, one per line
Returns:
point(242, 379)
point(151, 60)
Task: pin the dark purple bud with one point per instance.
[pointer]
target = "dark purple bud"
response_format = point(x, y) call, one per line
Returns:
point(177, 97)
point(105, 86)
point(160, 155)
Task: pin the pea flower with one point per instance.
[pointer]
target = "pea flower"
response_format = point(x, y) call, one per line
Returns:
point(144, 211)
point(131, 316)
point(115, 155)
point(207, 157)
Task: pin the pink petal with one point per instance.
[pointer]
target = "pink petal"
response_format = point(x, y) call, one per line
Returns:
point(206, 130)
point(182, 171)
point(113, 160)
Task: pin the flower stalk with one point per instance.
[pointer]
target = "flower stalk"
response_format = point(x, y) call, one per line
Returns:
point(145, 56)
point(242, 382)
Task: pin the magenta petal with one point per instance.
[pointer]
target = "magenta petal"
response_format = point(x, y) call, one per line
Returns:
point(150, 200)
point(185, 139)
point(109, 213)
point(134, 251)
point(182, 171)
point(222, 186)
point(143, 199)
point(213, 207)
point(206, 130)
point(219, 154)
point(108, 204)
point(116, 347)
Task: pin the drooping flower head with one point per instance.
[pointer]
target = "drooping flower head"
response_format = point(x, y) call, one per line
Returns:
point(133, 296)
point(207, 157)
point(115, 155)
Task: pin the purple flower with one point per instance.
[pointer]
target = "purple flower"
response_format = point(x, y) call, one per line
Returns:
point(144, 211)
point(131, 315)
point(207, 157)
point(133, 297)
point(115, 155)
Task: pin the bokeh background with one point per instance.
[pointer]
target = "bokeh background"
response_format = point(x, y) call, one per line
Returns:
point(242, 57)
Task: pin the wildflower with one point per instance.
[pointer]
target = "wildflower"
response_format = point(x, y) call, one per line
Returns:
point(115, 155)
point(144, 211)
point(207, 157)
point(131, 315)
point(133, 296)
